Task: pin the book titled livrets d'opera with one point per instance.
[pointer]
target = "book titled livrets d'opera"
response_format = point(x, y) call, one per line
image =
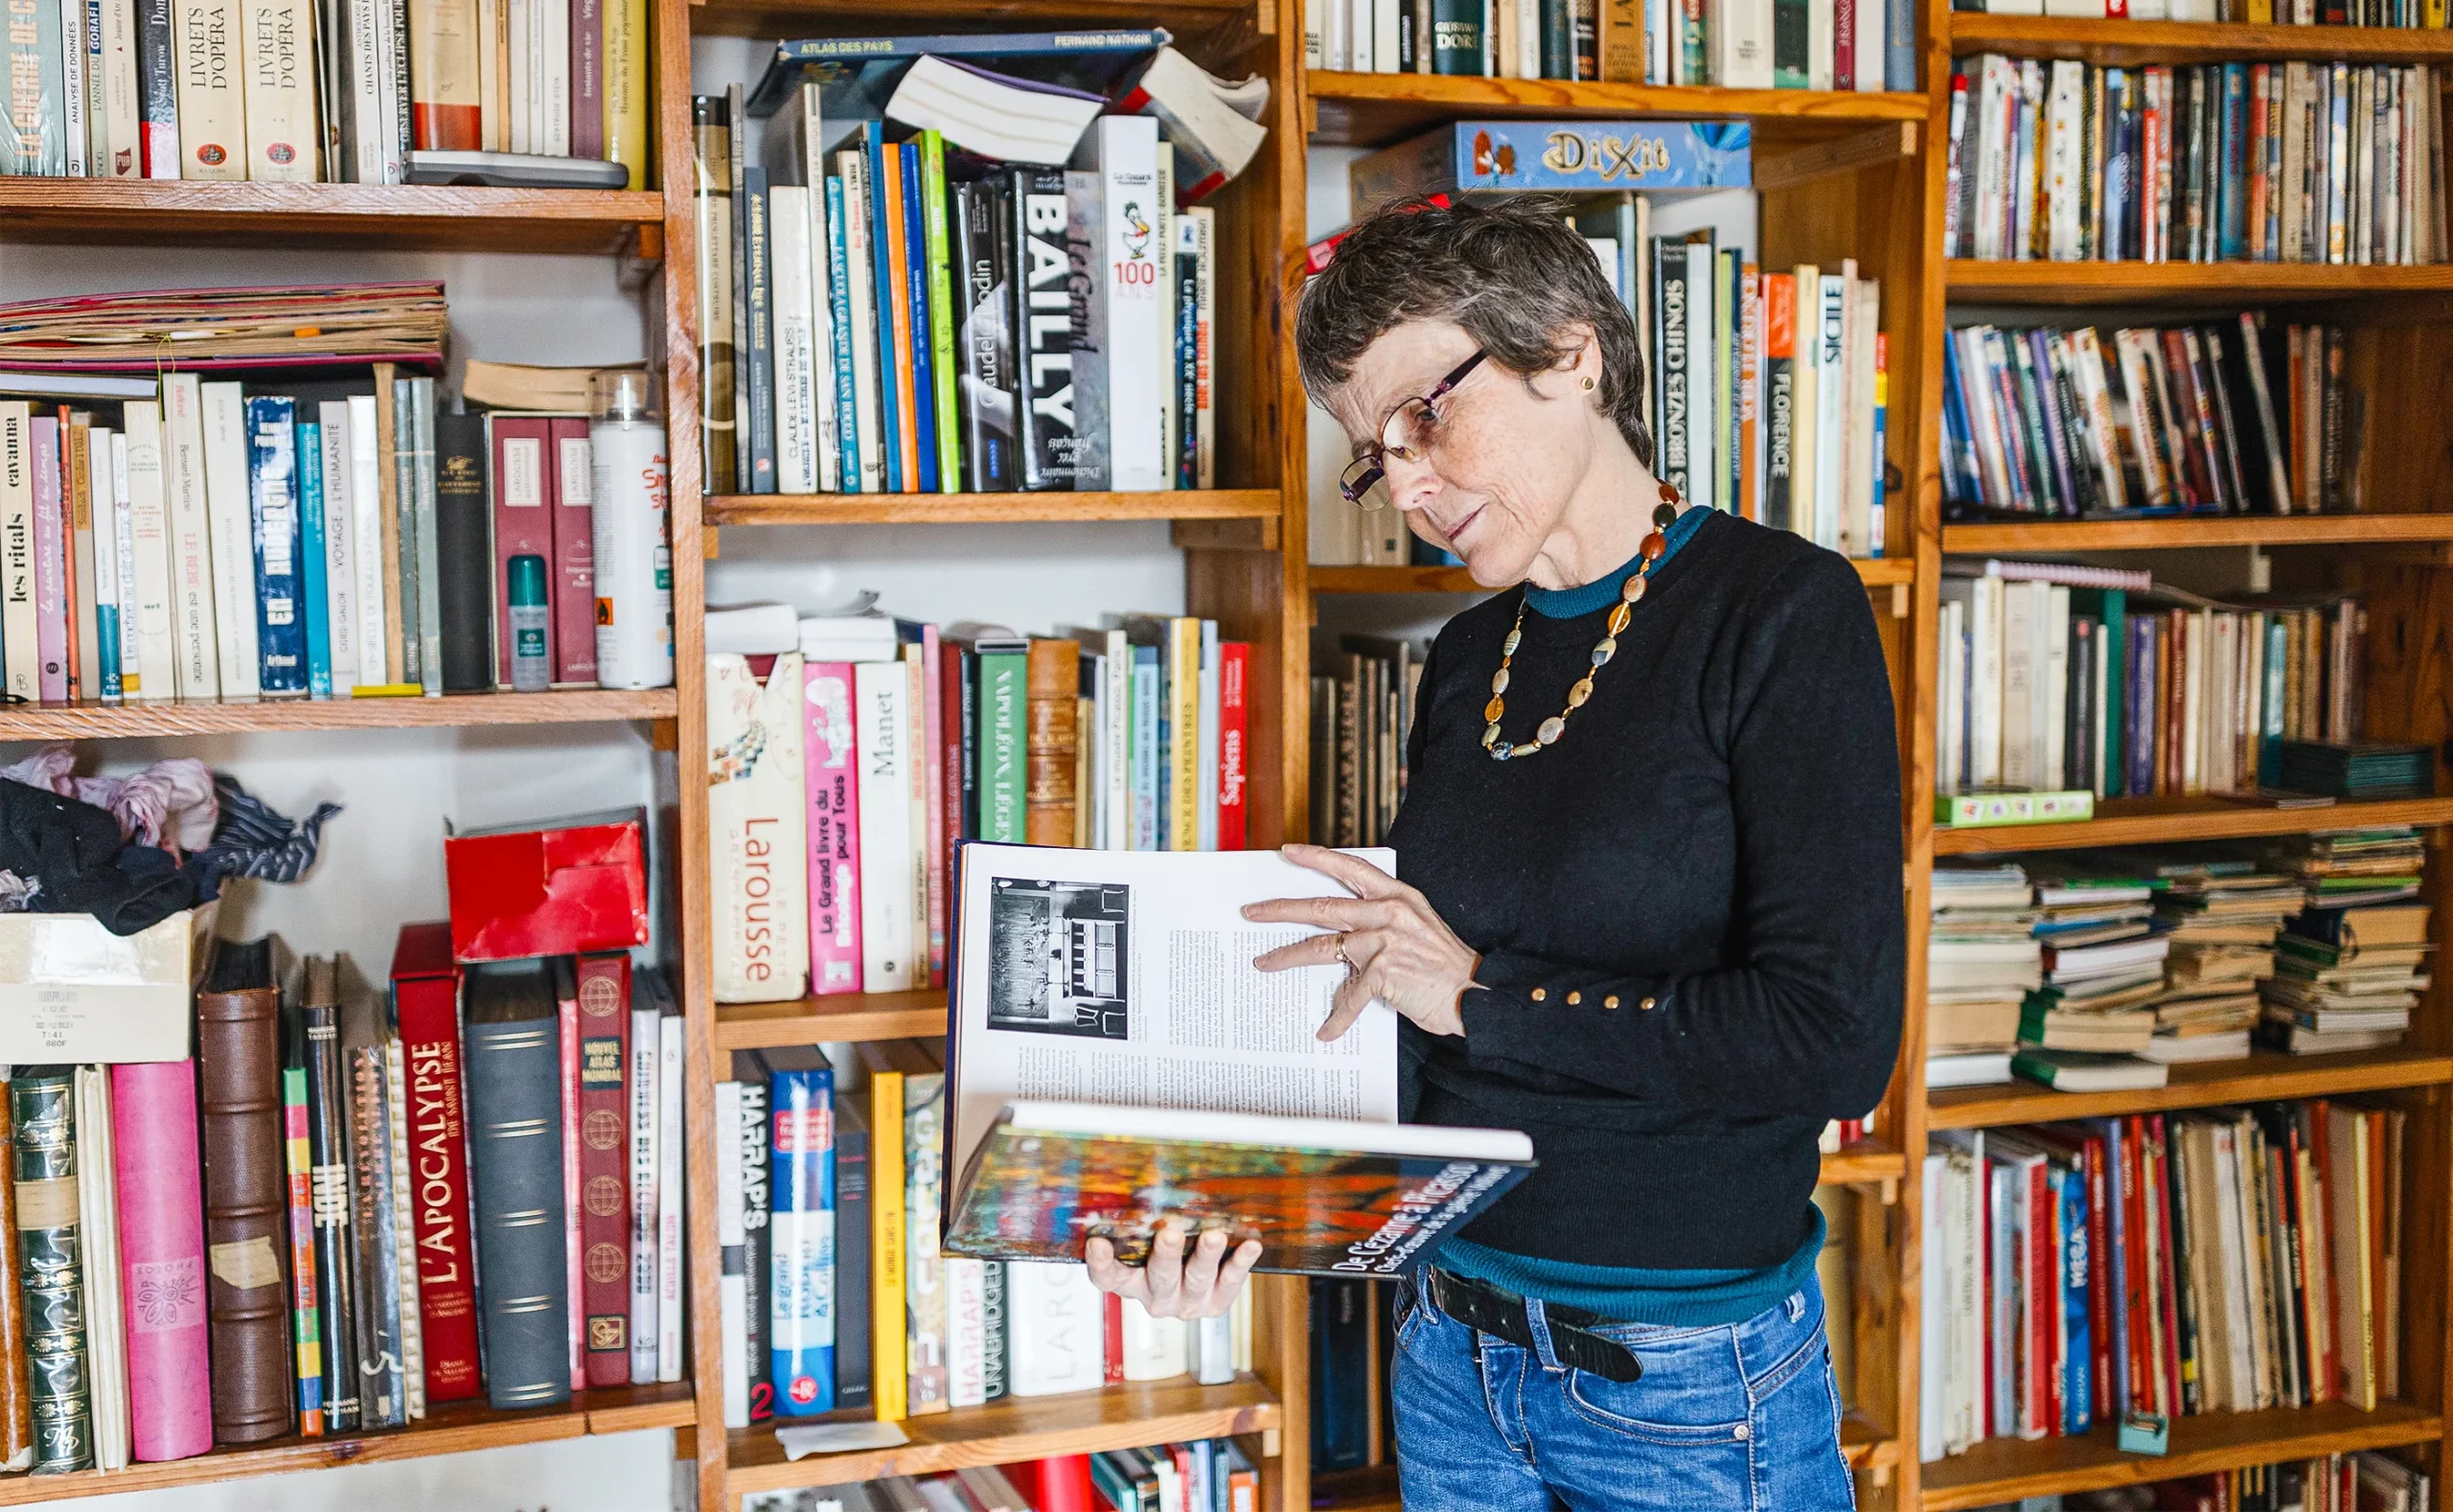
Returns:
point(1114, 1060)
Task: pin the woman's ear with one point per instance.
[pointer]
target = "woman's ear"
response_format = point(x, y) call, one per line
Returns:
point(1578, 367)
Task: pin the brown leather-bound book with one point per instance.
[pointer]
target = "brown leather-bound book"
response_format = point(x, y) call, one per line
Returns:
point(1055, 685)
point(246, 1192)
point(16, 1419)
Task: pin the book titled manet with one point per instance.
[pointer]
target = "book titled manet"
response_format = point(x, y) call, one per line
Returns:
point(1114, 1060)
point(1559, 156)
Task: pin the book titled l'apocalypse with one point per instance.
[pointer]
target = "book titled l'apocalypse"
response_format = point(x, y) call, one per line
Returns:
point(1114, 1061)
point(1564, 156)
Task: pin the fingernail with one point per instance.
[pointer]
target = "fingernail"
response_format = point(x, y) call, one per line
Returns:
point(1247, 909)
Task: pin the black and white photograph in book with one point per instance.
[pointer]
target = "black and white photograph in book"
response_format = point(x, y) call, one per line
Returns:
point(1056, 961)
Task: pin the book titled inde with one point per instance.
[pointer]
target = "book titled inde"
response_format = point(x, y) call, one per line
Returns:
point(1114, 1061)
point(1557, 156)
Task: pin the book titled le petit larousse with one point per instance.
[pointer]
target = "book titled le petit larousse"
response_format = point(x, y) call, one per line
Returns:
point(1118, 968)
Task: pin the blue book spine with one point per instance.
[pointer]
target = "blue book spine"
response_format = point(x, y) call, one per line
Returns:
point(891, 342)
point(838, 295)
point(1881, 424)
point(2120, 240)
point(1959, 471)
point(2140, 723)
point(272, 475)
point(1899, 46)
point(919, 340)
point(801, 1229)
point(318, 592)
point(2277, 642)
point(1145, 748)
point(2077, 1361)
point(2116, 1269)
point(2234, 238)
point(2009, 1238)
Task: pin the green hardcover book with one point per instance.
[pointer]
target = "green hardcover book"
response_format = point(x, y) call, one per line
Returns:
point(1791, 26)
point(941, 310)
point(1004, 687)
point(1456, 36)
point(50, 1267)
point(2111, 605)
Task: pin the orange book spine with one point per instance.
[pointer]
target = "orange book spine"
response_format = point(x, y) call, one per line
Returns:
point(899, 305)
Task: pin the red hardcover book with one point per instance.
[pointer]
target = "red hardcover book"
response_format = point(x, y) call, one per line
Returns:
point(573, 595)
point(523, 515)
point(1843, 44)
point(2142, 1392)
point(1060, 1483)
point(604, 1165)
point(587, 79)
point(1234, 723)
point(2159, 1155)
point(566, 979)
point(426, 993)
point(1112, 1331)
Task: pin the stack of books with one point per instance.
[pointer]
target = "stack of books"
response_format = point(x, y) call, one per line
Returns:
point(1981, 961)
point(2351, 965)
point(2221, 918)
point(2359, 770)
point(2051, 685)
point(2238, 416)
point(2102, 964)
point(2231, 1260)
point(843, 1302)
point(874, 746)
point(1208, 1475)
point(1736, 44)
point(299, 92)
point(1362, 714)
point(2294, 162)
point(2338, 1483)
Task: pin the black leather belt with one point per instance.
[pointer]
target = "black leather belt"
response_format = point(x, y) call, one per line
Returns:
point(1486, 1309)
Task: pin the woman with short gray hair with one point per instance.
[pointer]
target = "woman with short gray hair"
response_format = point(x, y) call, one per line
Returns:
point(1648, 903)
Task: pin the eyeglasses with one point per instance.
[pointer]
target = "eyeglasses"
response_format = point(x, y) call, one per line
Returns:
point(1407, 434)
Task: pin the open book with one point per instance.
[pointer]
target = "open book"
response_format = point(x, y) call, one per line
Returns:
point(1114, 1060)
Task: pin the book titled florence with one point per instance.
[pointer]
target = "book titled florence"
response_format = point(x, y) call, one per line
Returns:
point(1108, 968)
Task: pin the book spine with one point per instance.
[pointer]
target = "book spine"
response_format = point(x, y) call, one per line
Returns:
point(228, 511)
point(513, 1093)
point(803, 1339)
point(1087, 301)
point(1054, 685)
point(1042, 324)
point(279, 98)
point(889, 1327)
point(429, 549)
point(431, 1042)
point(1183, 462)
point(924, 1103)
point(43, 1173)
point(211, 91)
point(314, 560)
point(1135, 324)
point(571, 487)
point(604, 1161)
point(759, 316)
point(1456, 28)
point(872, 396)
point(77, 538)
point(382, 1386)
point(446, 99)
point(890, 248)
point(966, 1285)
point(1233, 718)
point(306, 1317)
point(831, 760)
point(161, 1221)
point(916, 384)
point(50, 562)
point(402, 1228)
point(335, 1239)
point(996, 1373)
point(245, 1202)
point(523, 520)
point(711, 136)
point(645, 1163)
point(941, 286)
point(566, 1058)
point(983, 261)
point(844, 353)
point(465, 593)
point(586, 67)
point(887, 926)
point(758, 1281)
point(731, 1302)
point(273, 523)
point(798, 379)
point(627, 103)
point(669, 1201)
point(157, 87)
point(853, 1311)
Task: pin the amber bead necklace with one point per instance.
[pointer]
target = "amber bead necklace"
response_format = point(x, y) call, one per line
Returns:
point(1629, 594)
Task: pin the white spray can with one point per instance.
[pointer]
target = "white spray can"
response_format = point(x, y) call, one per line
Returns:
point(634, 538)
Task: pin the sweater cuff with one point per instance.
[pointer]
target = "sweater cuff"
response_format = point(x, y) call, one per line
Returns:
point(1559, 1025)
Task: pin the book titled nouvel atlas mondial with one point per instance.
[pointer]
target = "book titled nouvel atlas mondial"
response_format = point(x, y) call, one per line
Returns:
point(1114, 1061)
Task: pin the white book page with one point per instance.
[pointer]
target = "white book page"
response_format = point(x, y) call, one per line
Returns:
point(1125, 977)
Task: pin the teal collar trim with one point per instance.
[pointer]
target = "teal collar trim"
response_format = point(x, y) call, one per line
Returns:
point(1567, 603)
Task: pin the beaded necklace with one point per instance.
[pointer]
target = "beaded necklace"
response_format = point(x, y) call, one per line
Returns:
point(1629, 594)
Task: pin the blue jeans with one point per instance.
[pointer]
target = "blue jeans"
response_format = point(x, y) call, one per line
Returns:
point(1743, 1417)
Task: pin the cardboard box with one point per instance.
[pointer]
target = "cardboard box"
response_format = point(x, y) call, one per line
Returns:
point(557, 887)
point(72, 992)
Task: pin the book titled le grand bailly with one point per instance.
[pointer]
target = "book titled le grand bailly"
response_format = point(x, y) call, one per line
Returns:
point(1114, 1060)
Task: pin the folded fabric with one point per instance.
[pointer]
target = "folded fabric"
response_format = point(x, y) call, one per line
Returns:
point(72, 850)
point(169, 803)
point(253, 840)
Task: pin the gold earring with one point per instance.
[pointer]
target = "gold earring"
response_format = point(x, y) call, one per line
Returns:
point(1588, 384)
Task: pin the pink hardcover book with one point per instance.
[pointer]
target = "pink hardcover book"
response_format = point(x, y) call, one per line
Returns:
point(566, 989)
point(834, 783)
point(51, 567)
point(161, 1242)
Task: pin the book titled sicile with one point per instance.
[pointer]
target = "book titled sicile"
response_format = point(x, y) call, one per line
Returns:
point(1114, 1061)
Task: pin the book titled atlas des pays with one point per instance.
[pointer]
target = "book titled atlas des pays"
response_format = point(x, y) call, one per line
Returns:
point(1114, 1060)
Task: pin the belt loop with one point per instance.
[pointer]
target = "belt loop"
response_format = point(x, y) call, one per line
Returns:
point(1538, 1320)
point(1797, 1306)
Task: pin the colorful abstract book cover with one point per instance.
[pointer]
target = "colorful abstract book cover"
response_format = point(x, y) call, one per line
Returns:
point(1559, 157)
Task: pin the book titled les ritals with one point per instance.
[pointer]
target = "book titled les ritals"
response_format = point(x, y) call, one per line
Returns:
point(1128, 977)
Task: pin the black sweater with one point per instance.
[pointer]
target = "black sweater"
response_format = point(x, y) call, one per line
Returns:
point(1714, 848)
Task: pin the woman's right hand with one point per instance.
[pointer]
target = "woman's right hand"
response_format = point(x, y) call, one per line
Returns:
point(1172, 1283)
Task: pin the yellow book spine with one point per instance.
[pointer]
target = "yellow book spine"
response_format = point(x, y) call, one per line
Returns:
point(1183, 731)
point(626, 87)
point(886, 1324)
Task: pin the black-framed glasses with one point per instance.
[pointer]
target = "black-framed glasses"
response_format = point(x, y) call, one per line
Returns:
point(1407, 434)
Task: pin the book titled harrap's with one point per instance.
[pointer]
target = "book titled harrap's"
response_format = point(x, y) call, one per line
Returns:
point(1114, 1061)
point(1557, 156)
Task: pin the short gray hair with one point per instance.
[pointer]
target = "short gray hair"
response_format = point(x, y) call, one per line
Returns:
point(1512, 272)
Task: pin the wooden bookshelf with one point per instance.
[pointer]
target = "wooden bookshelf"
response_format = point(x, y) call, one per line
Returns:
point(1374, 109)
point(90, 721)
point(1877, 572)
point(2015, 1468)
point(2041, 283)
point(2161, 821)
point(845, 1016)
point(2125, 44)
point(374, 218)
point(451, 1429)
point(965, 508)
point(2263, 1077)
point(2018, 537)
point(1021, 1428)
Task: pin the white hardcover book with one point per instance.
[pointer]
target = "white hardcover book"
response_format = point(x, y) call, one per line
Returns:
point(370, 98)
point(731, 1242)
point(1359, 34)
point(1741, 34)
point(1055, 1329)
point(494, 131)
point(1124, 152)
point(151, 575)
point(122, 549)
point(2095, 393)
point(644, 1167)
point(1872, 34)
point(340, 560)
point(1163, 246)
point(520, 22)
point(20, 621)
point(106, 1322)
point(1950, 707)
point(280, 57)
point(393, 69)
point(2019, 614)
point(795, 340)
point(554, 45)
point(1859, 462)
point(2193, 704)
point(1205, 739)
point(1528, 37)
point(1704, 396)
point(966, 1283)
point(211, 91)
point(811, 138)
point(1115, 736)
point(860, 277)
point(365, 526)
point(198, 663)
point(75, 114)
point(1819, 44)
point(887, 939)
point(1996, 82)
point(2056, 688)
point(757, 810)
point(1383, 36)
point(404, 1236)
point(230, 522)
point(121, 128)
point(1154, 1348)
point(670, 1198)
point(1198, 232)
point(2064, 164)
point(1831, 334)
point(1985, 683)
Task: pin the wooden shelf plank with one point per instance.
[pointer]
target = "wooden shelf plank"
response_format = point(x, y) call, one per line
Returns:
point(1018, 1428)
point(1866, 1161)
point(1370, 109)
point(369, 217)
point(949, 509)
point(75, 722)
point(2005, 1470)
point(449, 1429)
point(2263, 1077)
point(1998, 536)
point(817, 18)
point(1876, 571)
point(2123, 44)
point(1970, 281)
point(845, 1016)
point(2155, 821)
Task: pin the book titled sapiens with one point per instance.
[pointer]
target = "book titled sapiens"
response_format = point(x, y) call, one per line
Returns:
point(1114, 1060)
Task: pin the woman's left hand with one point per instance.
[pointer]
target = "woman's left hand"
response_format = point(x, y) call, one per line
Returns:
point(1395, 947)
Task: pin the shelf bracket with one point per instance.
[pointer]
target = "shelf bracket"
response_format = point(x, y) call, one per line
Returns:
point(1872, 147)
point(1249, 533)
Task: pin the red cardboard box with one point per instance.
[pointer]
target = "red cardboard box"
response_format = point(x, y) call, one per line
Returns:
point(556, 888)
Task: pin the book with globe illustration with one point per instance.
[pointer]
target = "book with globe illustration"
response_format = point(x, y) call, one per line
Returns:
point(1114, 1060)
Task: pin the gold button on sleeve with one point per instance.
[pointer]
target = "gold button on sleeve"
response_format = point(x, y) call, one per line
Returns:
point(1611, 1001)
point(1575, 998)
point(1647, 1002)
point(1539, 993)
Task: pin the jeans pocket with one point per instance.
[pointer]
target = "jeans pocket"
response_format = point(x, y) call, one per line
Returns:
point(1693, 1394)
